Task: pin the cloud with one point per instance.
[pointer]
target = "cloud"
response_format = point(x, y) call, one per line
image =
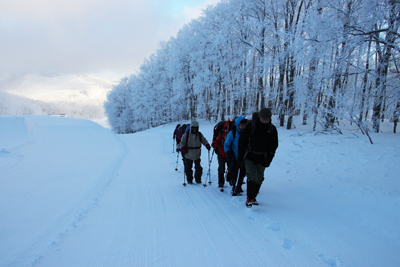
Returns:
point(81, 36)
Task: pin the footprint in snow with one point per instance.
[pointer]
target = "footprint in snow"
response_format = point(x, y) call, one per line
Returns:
point(331, 261)
point(276, 227)
point(252, 217)
point(287, 244)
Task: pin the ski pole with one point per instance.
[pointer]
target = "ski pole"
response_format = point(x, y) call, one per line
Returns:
point(209, 167)
point(205, 181)
point(177, 158)
point(184, 172)
point(235, 193)
point(173, 145)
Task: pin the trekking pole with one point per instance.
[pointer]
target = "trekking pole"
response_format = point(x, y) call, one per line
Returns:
point(209, 167)
point(205, 181)
point(184, 173)
point(235, 193)
point(177, 158)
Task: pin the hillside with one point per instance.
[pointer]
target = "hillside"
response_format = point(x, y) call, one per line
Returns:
point(76, 96)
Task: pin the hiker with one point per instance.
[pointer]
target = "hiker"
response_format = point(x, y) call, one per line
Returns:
point(179, 132)
point(255, 116)
point(218, 145)
point(190, 147)
point(233, 157)
point(257, 145)
point(176, 132)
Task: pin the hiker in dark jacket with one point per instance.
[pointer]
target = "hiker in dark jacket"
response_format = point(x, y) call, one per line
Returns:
point(232, 155)
point(176, 132)
point(190, 147)
point(257, 145)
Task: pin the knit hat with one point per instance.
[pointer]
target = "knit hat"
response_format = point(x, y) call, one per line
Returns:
point(265, 114)
point(194, 124)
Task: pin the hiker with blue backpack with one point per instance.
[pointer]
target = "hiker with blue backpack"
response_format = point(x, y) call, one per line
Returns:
point(190, 147)
point(238, 171)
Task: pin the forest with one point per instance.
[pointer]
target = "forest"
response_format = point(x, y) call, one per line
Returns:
point(322, 60)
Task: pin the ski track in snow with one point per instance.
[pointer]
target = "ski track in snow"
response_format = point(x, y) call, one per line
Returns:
point(124, 217)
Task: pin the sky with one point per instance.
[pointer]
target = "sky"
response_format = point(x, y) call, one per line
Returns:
point(109, 39)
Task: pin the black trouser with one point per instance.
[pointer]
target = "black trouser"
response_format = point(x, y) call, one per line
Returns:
point(234, 169)
point(198, 170)
point(255, 177)
point(221, 164)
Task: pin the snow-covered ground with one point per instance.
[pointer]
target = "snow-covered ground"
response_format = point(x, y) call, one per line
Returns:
point(73, 193)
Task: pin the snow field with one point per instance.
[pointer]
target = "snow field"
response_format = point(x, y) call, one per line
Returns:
point(74, 194)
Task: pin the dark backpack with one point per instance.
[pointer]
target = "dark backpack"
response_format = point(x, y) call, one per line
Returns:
point(180, 133)
point(218, 129)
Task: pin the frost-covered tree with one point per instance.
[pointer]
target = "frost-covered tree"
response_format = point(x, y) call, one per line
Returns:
point(327, 60)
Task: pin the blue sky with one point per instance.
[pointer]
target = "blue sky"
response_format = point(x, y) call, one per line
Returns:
point(106, 38)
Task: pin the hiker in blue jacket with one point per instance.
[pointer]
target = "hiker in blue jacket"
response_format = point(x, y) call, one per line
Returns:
point(231, 150)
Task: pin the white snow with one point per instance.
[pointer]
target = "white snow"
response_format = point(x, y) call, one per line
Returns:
point(73, 193)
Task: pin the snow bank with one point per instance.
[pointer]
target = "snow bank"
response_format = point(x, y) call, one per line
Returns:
point(51, 168)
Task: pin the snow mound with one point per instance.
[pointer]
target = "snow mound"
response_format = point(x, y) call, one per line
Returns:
point(14, 132)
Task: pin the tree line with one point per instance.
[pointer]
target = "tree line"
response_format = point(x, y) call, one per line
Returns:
point(323, 60)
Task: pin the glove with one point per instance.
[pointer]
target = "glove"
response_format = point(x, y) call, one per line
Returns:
point(268, 159)
point(214, 144)
point(184, 150)
point(208, 146)
point(178, 150)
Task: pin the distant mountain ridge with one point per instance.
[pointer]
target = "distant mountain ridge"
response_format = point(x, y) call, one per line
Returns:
point(77, 96)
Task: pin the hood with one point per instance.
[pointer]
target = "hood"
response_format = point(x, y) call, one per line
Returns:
point(237, 122)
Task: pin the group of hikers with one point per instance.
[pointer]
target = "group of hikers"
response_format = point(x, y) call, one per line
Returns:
point(244, 149)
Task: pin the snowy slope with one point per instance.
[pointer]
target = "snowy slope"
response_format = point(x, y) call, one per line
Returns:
point(74, 194)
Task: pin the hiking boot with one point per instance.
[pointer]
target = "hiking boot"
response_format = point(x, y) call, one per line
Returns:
point(249, 203)
point(190, 182)
point(254, 201)
point(198, 181)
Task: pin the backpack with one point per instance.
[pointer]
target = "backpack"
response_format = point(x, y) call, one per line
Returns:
point(180, 133)
point(253, 127)
point(218, 129)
